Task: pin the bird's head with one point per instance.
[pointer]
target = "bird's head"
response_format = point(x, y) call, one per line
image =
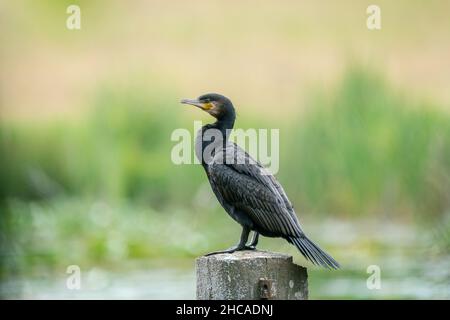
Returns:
point(218, 106)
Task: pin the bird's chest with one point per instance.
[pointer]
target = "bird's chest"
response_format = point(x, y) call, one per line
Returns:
point(218, 191)
point(230, 208)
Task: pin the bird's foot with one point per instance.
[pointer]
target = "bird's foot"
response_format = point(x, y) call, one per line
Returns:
point(231, 250)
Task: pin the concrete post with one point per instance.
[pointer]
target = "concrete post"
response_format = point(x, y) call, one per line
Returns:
point(250, 275)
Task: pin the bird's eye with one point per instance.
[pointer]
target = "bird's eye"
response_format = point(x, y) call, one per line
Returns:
point(206, 100)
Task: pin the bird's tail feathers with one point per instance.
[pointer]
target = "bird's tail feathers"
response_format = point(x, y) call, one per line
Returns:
point(313, 253)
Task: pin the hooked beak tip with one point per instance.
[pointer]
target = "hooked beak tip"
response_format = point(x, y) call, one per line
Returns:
point(192, 102)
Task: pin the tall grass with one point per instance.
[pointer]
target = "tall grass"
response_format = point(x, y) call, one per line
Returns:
point(120, 150)
point(361, 150)
point(369, 150)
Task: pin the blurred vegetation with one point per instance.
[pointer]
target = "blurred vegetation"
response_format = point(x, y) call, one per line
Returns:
point(86, 118)
point(363, 150)
point(121, 150)
point(369, 150)
point(101, 188)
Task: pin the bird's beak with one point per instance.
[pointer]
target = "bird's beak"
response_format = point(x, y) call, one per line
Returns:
point(197, 103)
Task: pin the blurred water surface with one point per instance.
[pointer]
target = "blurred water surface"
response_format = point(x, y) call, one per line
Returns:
point(410, 271)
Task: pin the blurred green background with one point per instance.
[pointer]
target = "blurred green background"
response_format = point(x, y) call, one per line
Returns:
point(86, 117)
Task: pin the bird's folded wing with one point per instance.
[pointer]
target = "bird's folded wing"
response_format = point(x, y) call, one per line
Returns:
point(260, 173)
point(244, 183)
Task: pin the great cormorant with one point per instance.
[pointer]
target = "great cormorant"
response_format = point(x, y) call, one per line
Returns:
point(245, 189)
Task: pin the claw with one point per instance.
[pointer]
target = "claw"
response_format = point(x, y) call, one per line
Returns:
point(229, 250)
point(241, 246)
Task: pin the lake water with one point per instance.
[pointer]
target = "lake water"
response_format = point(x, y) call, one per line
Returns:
point(410, 265)
point(432, 282)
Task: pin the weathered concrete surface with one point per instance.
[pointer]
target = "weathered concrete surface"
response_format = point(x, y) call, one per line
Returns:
point(237, 276)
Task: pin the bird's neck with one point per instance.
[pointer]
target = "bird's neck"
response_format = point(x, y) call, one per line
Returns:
point(224, 126)
point(211, 138)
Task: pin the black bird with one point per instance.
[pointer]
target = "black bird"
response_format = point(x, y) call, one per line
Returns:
point(245, 189)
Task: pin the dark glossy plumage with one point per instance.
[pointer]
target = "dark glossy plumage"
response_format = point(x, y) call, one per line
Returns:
point(247, 191)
